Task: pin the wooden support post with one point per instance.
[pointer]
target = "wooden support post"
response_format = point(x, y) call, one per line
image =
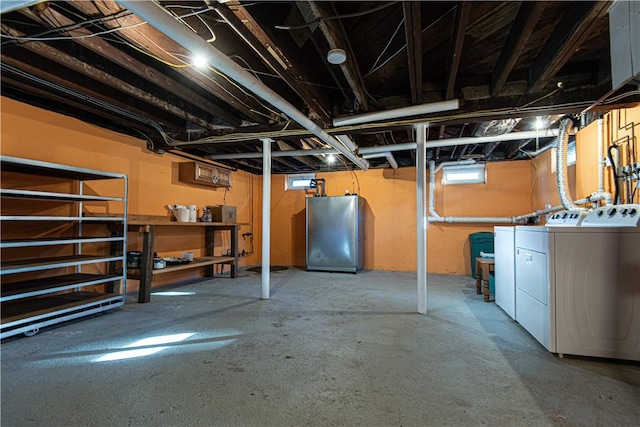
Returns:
point(209, 270)
point(146, 264)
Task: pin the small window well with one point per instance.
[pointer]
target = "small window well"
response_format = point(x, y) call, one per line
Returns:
point(299, 181)
point(464, 174)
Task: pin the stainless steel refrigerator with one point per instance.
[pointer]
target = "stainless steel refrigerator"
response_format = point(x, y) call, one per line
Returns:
point(335, 233)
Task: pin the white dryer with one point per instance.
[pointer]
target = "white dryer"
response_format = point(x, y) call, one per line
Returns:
point(505, 268)
point(578, 288)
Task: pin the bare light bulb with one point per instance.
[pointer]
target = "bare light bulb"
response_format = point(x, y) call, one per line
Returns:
point(201, 62)
point(331, 158)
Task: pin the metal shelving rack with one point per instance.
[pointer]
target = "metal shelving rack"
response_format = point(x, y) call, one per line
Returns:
point(45, 297)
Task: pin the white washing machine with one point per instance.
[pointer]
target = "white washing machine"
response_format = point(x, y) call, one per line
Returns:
point(578, 288)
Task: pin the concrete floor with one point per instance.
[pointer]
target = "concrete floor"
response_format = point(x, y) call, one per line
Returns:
point(327, 349)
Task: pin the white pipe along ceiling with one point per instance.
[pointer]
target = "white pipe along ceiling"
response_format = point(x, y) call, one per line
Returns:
point(513, 136)
point(158, 17)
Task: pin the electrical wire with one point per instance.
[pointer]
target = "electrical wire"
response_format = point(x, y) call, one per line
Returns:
point(396, 53)
point(328, 18)
point(393, 36)
point(85, 36)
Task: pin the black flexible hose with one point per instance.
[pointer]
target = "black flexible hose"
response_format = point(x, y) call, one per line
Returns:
point(615, 173)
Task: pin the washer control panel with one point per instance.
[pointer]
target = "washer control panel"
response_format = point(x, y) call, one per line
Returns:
point(566, 218)
point(613, 216)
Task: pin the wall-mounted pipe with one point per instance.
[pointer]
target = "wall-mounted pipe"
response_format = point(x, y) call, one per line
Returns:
point(414, 110)
point(435, 217)
point(607, 197)
point(158, 17)
point(387, 154)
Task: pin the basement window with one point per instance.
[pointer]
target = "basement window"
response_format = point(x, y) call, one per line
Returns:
point(299, 181)
point(464, 174)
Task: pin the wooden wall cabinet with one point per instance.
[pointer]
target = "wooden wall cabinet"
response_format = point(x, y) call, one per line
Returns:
point(203, 174)
point(83, 270)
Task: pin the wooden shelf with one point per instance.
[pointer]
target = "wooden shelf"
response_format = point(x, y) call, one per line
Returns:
point(35, 287)
point(196, 263)
point(15, 311)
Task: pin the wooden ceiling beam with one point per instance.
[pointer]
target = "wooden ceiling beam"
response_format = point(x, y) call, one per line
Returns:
point(413, 34)
point(78, 109)
point(522, 27)
point(573, 29)
point(334, 32)
point(148, 39)
point(109, 52)
point(241, 21)
point(462, 17)
point(72, 63)
point(53, 77)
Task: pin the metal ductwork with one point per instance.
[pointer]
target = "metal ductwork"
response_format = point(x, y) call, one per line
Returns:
point(158, 17)
point(561, 165)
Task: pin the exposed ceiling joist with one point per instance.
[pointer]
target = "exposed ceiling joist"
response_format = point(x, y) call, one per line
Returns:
point(334, 33)
point(241, 21)
point(462, 17)
point(564, 41)
point(108, 51)
point(150, 40)
point(102, 77)
point(413, 34)
point(526, 19)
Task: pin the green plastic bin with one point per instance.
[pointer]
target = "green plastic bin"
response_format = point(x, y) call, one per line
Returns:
point(479, 242)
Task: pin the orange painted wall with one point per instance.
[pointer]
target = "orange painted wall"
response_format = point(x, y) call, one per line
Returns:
point(513, 188)
point(34, 133)
point(390, 224)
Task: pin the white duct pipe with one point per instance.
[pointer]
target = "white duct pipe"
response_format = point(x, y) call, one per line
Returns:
point(266, 216)
point(421, 217)
point(513, 136)
point(387, 154)
point(432, 191)
point(347, 142)
point(602, 163)
point(285, 153)
point(157, 16)
point(414, 110)
point(11, 5)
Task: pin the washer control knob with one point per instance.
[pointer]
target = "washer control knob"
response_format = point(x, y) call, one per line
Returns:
point(612, 211)
point(623, 212)
point(633, 212)
point(600, 213)
point(564, 215)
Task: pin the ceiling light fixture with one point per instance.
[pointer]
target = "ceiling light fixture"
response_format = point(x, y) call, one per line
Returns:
point(200, 62)
point(331, 158)
point(336, 56)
